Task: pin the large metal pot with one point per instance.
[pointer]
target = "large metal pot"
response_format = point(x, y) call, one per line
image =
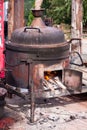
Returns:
point(38, 43)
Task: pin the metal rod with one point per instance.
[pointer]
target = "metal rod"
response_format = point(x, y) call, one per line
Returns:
point(32, 97)
point(32, 105)
point(28, 77)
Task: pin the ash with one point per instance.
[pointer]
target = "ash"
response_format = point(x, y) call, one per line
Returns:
point(60, 113)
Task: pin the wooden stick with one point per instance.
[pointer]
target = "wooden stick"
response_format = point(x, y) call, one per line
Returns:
point(60, 84)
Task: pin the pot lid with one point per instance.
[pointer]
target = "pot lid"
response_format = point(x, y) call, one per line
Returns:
point(38, 33)
point(37, 36)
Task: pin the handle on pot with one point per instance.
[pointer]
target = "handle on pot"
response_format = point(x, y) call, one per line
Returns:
point(31, 29)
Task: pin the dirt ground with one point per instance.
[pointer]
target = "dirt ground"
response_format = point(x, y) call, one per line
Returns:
point(61, 113)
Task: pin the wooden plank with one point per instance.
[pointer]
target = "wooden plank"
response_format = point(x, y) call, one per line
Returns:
point(10, 17)
point(18, 13)
point(15, 15)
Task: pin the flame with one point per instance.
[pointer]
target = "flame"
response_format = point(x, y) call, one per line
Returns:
point(49, 75)
point(46, 77)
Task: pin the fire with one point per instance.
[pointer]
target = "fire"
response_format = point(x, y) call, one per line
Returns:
point(46, 77)
point(53, 79)
point(49, 74)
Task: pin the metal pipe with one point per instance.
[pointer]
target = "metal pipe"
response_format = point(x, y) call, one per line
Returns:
point(32, 96)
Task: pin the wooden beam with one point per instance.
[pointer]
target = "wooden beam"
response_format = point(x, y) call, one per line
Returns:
point(15, 15)
point(10, 17)
point(77, 16)
point(18, 13)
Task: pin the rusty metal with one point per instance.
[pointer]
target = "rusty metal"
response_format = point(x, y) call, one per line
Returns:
point(32, 94)
point(73, 80)
point(78, 42)
point(31, 47)
point(37, 42)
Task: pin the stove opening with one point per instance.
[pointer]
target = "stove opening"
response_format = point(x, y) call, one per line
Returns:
point(53, 81)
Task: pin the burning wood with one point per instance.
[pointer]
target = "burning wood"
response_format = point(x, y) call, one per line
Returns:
point(59, 83)
point(38, 4)
point(47, 80)
point(49, 84)
point(54, 82)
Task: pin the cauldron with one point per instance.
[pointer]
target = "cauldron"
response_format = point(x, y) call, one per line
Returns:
point(37, 43)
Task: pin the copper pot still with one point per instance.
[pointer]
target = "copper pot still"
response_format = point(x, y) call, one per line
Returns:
point(38, 44)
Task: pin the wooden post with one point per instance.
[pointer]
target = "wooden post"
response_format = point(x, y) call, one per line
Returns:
point(38, 4)
point(15, 15)
point(10, 18)
point(18, 13)
point(76, 22)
